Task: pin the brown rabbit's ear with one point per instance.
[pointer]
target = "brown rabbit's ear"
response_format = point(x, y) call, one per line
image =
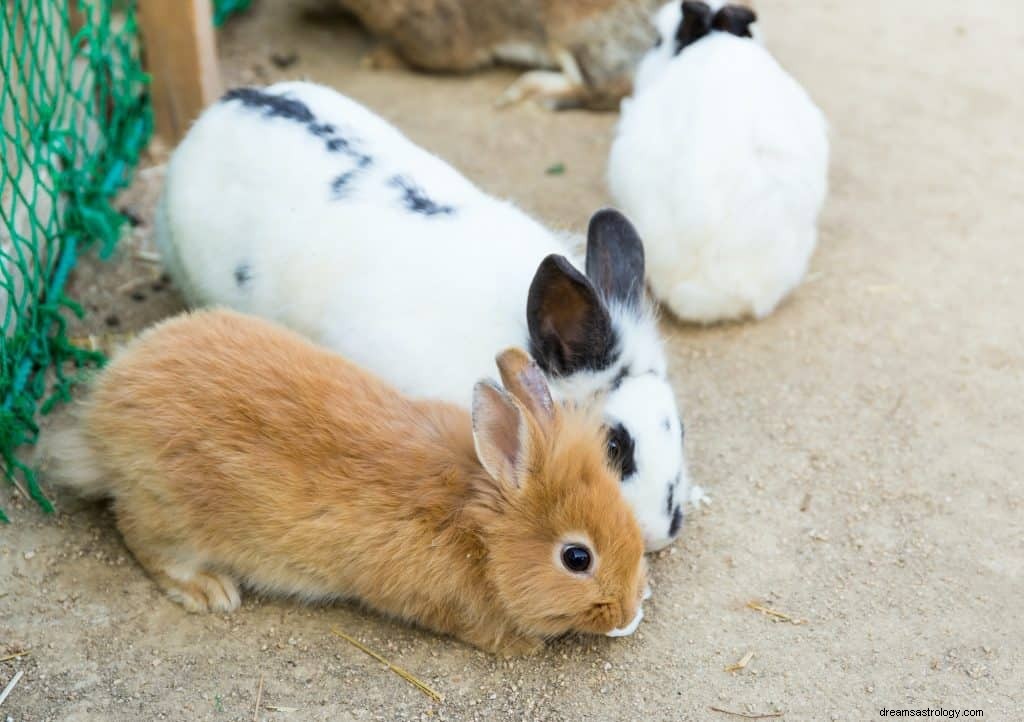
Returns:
point(501, 434)
point(523, 379)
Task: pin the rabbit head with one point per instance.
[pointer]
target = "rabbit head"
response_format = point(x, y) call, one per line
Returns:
point(564, 550)
point(596, 337)
point(680, 25)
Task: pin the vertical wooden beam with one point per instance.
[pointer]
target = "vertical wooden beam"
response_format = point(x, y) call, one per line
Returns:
point(180, 53)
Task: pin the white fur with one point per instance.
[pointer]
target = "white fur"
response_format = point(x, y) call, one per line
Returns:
point(721, 161)
point(424, 301)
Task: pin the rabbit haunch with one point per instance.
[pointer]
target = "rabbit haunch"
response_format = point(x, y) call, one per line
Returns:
point(417, 279)
point(237, 453)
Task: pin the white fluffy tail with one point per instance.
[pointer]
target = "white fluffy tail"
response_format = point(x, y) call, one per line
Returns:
point(72, 463)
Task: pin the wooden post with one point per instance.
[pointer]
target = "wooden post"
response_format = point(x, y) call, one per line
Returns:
point(180, 54)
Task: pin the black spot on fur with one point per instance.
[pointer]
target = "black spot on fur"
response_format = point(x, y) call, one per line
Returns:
point(321, 130)
point(336, 145)
point(621, 451)
point(619, 378)
point(341, 185)
point(273, 106)
point(416, 199)
point(243, 274)
point(280, 106)
point(667, 423)
point(677, 521)
point(671, 499)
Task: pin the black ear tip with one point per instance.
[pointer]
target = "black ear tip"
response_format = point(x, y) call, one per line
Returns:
point(555, 263)
point(697, 8)
point(606, 215)
point(744, 13)
point(609, 225)
point(612, 219)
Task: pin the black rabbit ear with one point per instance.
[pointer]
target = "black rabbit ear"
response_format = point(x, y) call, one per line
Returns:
point(696, 23)
point(615, 258)
point(734, 19)
point(570, 327)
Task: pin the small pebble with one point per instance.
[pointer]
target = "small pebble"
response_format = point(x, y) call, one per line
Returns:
point(282, 61)
point(112, 320)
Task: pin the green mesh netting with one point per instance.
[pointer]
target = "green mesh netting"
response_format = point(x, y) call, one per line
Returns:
point(223, 8)
point(74, 115)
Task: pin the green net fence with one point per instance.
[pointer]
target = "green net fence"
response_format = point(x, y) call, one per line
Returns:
point(74, 116)
point(223, 8)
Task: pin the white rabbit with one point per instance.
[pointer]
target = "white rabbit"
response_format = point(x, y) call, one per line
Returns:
point(298, 204)
point(721, 160)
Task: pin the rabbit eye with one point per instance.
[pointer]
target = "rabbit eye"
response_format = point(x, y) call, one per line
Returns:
point(620, 448)
point(576, 558)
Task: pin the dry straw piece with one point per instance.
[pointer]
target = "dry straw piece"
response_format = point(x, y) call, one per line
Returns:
point(758, 607)
point(259, 697)
point(16, 655)
point(769, 715)
point(10, 685)
point(742, 664)
point(407, 676)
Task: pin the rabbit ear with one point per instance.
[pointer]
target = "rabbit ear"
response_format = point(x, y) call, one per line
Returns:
point(615, 257)
point(696, 23)
point(570, 328)
point(501, 434)
point(734, 19)
point(524, 380)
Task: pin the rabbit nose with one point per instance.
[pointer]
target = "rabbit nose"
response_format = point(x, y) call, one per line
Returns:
point(631, 627)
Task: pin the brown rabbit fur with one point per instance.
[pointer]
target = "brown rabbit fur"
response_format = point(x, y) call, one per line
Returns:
point(595, 43)
point(236, 451)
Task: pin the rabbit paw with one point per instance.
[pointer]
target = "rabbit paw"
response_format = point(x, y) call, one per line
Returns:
point(552, 89)
point(203, 591)
point(555, 90)
point(382, 57)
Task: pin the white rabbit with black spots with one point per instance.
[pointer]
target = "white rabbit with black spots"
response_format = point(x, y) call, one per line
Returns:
point(721, 160)
point(298, 204)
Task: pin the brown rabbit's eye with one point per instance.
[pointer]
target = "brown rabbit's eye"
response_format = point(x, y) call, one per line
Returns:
point(576, 558)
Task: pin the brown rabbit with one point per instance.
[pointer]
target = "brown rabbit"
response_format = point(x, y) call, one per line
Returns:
point(237, 452)
point(594, 45)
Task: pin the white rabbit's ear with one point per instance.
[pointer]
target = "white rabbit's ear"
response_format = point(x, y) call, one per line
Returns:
point(734, 19)
point(695, 24)
point(570, 327)
point(615, 258)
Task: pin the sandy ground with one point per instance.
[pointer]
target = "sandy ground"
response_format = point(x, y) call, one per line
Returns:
point(863, 446)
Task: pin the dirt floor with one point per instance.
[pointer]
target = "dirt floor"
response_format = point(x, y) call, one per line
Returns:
point(863, 446)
